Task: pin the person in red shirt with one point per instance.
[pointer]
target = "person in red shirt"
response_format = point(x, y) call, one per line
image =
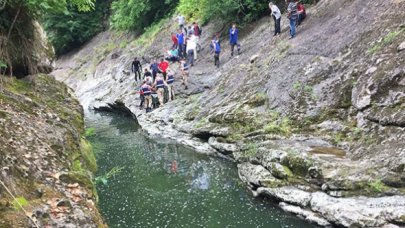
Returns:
point(196, 29)
point(197, 34)
point(301, 12)
point(175, 41)
point(163, 65)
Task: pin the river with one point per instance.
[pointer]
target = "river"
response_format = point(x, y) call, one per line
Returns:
point(163, 184)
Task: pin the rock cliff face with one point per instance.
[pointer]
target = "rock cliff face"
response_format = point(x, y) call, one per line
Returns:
point(45, 162)
point(316, 122)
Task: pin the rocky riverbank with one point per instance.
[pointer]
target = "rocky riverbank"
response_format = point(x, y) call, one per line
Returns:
point(46, 163)
point(315, 123)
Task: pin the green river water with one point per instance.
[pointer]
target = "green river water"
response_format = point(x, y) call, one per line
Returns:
point(163, 184)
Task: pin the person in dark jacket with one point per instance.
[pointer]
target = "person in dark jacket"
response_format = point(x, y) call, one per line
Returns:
point(154, 67)
point(136, 68)
point(233, 38)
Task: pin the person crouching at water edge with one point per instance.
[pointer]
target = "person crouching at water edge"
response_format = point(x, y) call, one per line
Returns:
point(170, 82)
point(160, 87)
point(147, 91)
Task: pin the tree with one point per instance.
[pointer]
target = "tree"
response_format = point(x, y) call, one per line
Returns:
point(19, 33)
point(73, 28)
point(138, 14)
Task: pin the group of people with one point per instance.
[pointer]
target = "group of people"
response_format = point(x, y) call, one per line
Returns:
point(215, 45)
point(159, 77)
point(295, 13)
point(157, 81)
point(185, 42)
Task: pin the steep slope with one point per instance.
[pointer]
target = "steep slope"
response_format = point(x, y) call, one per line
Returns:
point(314, 122)
point(45, 163)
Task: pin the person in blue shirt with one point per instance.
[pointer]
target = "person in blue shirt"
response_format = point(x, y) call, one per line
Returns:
point(181, 42)
point(216, 49)
point(233, 38)
point(154, 67)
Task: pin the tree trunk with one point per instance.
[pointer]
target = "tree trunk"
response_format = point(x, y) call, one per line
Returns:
point(10, 64)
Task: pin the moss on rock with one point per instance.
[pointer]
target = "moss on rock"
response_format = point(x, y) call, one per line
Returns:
point(297, 164)
point(42, 129)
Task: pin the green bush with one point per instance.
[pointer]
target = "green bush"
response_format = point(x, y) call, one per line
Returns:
point(228, 10)
point(73, 28)
point(139, 14)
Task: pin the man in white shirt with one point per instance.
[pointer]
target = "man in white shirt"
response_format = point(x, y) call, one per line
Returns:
point(182, 22)
point(276, 14)
point(191, 50)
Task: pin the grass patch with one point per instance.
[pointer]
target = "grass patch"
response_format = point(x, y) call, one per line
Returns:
point(279, 128)
point(201, 122)
point(283, 47)
point(288, 171)
point(88, 155)
point(147, 38)
point(377, 186)
point(387, 40)
point(297, 85)
point(18, 86)
point(3, 115)
point(123, 44)
point(259, 99)
point(19, 202)
point(90, 132)
point(251, 150)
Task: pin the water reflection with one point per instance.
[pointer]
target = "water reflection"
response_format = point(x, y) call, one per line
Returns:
point(168, 185)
